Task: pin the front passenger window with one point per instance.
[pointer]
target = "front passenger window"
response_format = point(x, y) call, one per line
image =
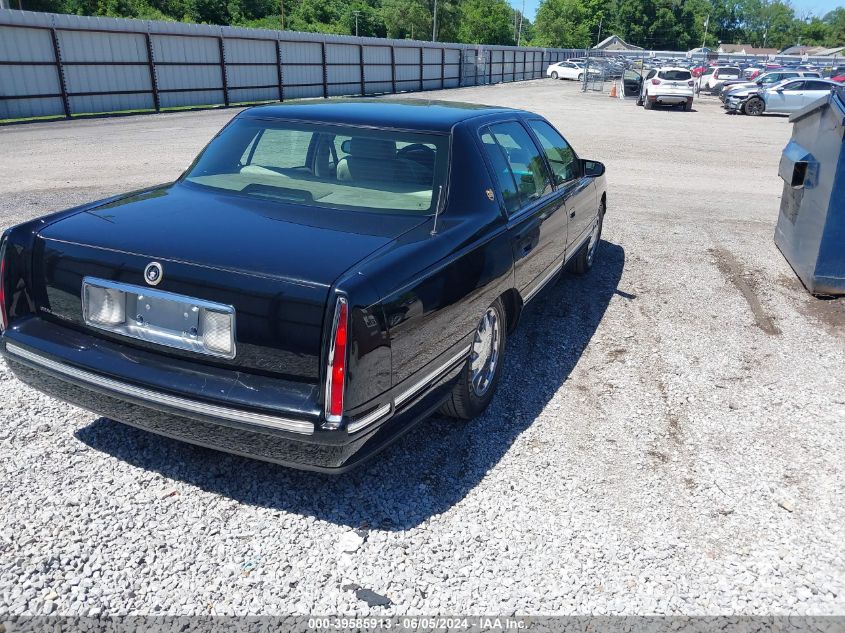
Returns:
point(514, 154)
point(558, 152)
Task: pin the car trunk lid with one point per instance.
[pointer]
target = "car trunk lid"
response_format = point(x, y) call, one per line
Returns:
point(273, 263)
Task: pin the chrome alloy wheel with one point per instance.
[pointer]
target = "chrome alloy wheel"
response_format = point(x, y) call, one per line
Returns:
point(484, 358)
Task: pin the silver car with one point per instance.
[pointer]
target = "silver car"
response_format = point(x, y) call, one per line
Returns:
point(785, 97)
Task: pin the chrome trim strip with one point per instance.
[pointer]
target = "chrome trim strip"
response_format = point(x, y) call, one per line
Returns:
point(157, 397)
point(555, 269)
point(369, 419)
point(421, 384)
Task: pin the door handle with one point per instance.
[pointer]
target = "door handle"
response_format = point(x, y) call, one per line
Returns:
point(572, 214)
point(527, 248)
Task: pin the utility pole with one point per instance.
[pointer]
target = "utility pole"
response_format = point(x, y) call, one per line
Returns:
point(282, 6)
point(706, 25)
point(598, 37)
point(521, 16)
point(356, 14)
point(434, 23)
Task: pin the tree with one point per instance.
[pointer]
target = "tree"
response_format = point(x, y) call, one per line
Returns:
point(815, 31)
point(835, 21)
point(486, 22)
point(633, 21)
point(406, 19)
point(562, 23)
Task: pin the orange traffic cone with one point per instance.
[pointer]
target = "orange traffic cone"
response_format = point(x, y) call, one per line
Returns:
point(613, 90)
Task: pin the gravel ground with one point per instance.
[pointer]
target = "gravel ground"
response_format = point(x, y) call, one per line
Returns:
point(669, 437)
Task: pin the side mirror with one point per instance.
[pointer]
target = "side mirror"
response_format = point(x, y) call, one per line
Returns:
point(593, 168)
point(778, 89)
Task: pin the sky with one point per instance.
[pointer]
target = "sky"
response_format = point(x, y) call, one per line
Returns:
point(811, 7)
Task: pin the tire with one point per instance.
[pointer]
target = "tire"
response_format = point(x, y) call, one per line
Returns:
point(688, 106)
point(586, 258)
point(580, 77)
point(476, 387)
point(648, 104)
point(554, 74)
point(754, 107)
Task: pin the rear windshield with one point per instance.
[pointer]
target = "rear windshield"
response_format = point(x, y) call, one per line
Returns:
point(729, 71)
point(675, 75)
point(330, 166)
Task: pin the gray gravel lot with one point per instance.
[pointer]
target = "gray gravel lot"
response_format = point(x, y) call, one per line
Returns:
point(669, 437)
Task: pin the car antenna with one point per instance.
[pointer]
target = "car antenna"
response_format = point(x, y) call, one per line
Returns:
point(437, 209)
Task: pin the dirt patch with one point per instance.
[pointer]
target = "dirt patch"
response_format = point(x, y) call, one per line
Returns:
point(732, 270)
point(829, 312)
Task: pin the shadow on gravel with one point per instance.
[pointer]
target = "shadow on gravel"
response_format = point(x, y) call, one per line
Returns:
point(431, 468)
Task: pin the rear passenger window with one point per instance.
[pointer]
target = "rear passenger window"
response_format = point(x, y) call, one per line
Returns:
point(817, 85)
point(502, 173)
point(514, 156)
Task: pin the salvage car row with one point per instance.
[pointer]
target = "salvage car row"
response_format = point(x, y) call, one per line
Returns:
point(779, 91)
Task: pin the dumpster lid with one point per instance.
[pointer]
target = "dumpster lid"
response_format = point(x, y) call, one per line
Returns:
point(836, 99)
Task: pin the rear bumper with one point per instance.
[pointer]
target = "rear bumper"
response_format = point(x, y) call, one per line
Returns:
point(72, 370)
point(671, 98)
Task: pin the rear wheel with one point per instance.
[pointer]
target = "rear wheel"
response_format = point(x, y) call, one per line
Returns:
point(554, 74)
point(581, 77)
point(688, 106)
point(480, 376)
point(647, 103)
point(754, 107)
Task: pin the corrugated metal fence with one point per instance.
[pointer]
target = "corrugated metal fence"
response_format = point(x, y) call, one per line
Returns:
point(61, 65)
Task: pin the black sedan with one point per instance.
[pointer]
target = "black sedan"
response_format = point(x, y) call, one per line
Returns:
point(322, 277)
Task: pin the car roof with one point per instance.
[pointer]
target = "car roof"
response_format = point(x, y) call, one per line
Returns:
point(785, 82)
point(407, 114)
point(662, 68)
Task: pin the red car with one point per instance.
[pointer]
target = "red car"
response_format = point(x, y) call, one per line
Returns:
point(696, 72)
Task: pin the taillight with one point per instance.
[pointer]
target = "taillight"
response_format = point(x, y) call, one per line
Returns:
point(4, 317)
point(655, 82)
point(690, 83)
point(715, 74)
point(336, 369)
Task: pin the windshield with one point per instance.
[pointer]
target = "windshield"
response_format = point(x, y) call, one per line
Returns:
point(330, 166)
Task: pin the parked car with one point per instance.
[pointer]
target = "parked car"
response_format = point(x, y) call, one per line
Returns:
point(764, 80)
point(785, 97)
point(667, 86)
point(567, 70)
point(322, 277)
point(712, 81)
